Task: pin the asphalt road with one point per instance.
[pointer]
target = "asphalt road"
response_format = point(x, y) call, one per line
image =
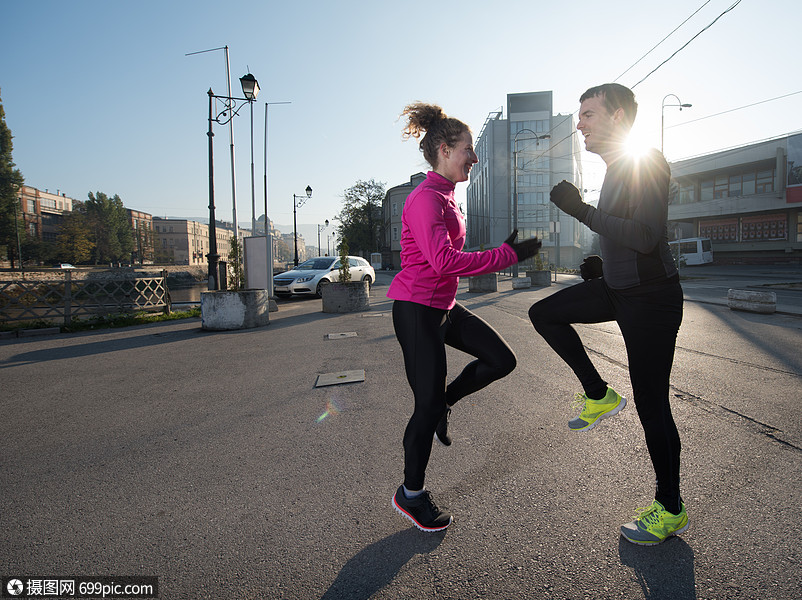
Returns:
point(211, 461)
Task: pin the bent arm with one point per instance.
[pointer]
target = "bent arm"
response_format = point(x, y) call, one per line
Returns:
point(427, 225)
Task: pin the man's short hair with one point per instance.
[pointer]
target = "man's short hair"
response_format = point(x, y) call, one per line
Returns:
point(615, 96)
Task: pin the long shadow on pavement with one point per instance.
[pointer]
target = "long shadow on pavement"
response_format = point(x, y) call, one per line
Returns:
point(375, 567)
point(664, 572)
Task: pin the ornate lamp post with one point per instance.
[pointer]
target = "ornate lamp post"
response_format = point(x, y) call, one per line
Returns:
point(295, 206)
point(250, 88)
point(231, 108)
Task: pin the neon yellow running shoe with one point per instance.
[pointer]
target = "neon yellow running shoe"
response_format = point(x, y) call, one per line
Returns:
point(594, 411)
point(655, 524)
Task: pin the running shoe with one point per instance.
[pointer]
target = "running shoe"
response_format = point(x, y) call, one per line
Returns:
point(441, 433)
point(422, 511)
point(654, 524)
point(594, 411)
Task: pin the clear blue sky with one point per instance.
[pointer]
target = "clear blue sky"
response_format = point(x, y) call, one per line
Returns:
point(100, 96)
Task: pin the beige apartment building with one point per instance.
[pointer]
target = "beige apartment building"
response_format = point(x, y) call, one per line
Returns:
point(186, 242)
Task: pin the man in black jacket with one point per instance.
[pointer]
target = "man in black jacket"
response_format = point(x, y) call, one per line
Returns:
point(636, 284)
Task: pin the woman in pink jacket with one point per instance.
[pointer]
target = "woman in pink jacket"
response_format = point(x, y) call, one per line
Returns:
point(426, 315)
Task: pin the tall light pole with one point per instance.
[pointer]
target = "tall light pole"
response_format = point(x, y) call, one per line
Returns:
point(250, 88)
point(268, 235)
point(295, 205)
point(230, 133)
point(319, 229)
point(515, 181)
point(223, 117)
point(663, 115)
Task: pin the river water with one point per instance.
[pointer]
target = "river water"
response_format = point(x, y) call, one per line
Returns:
point(188, 294)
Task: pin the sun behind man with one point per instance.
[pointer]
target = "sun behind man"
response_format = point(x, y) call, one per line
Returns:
point(636, 284)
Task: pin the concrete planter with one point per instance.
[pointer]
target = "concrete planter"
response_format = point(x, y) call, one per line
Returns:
point(752, 301)
point(539, 278)
point(483, 283)
point(224, 310)
point(345, 297)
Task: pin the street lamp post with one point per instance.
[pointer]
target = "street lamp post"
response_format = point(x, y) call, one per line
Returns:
point(295, 206)
point(319, 229)
point(268, 235)
point(250, 88)
point(230, 110)
point(663, 115)
point(515, 181)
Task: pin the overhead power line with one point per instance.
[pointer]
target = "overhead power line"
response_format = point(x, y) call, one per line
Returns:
point(734, 109)
point(687, 43)
point(661, 41)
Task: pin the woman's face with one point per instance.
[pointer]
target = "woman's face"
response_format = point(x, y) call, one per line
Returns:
point(455, 162)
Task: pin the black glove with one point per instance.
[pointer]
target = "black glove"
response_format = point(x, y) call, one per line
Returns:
point(526, 249)
point(591, 267)
point(566, 197)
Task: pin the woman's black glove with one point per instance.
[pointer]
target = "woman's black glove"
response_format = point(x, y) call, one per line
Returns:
point(566, 197)
point(526, 249)
point(591, 267)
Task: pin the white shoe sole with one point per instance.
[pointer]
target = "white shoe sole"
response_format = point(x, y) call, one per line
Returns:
point(612, 413)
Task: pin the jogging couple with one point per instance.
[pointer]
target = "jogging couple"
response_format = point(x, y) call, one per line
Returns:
point(634, 283)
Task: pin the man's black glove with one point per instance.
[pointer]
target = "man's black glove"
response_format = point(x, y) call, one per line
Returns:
point(526, 249)
point(566, 197)
point(591, 267)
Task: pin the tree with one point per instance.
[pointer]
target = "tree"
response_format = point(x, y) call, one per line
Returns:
point(111, 231)
point(236, 272)
point(74, 243)
point(11, 226)
point(361, 217)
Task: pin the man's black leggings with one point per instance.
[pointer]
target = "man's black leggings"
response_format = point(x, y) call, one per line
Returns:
point(423, 333)
point(649, 317)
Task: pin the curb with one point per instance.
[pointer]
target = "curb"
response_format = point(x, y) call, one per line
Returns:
point(4, 335)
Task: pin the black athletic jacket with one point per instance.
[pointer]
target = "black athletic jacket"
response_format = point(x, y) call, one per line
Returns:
point(631, 220)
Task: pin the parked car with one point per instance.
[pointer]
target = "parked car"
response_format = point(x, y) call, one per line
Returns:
point(310, 276)
point(64, 266)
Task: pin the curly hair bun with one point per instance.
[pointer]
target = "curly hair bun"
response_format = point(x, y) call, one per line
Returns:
point(421, 117)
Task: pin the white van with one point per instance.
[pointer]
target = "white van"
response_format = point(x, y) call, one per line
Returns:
point(692, 251)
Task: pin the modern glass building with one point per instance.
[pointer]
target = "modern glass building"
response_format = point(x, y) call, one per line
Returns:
point(520, 159)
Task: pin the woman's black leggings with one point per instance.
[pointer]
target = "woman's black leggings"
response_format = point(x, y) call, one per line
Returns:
point(423, 333)
point(649, 318)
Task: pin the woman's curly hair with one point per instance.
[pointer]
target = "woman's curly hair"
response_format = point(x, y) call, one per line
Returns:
point(435, 124)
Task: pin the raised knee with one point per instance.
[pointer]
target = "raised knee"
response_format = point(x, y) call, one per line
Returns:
point(535, 314)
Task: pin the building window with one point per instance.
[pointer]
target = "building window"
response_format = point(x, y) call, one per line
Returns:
point(395, 209)
point(765, 181)
point(706, 190)
point(799, 227)
point(721, 186)
point(748, 184)
point(687, 193)
point(32, 206)
point(395, 233)
point(735, 186)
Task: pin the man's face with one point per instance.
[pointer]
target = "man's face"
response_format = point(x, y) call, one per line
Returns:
point(600, 128)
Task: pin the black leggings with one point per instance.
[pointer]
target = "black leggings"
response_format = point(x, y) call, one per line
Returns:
point(649, 318)
point(423, 333)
